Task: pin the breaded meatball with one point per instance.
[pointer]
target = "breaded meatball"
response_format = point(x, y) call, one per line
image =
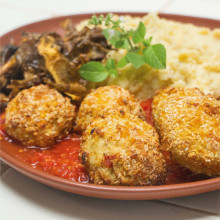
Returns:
point(122, 150)
point(39, 116)
point(104, 100)
point(188, 122)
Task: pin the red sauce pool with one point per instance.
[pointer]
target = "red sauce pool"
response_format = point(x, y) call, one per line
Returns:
point(147, 106)
point(62, 159)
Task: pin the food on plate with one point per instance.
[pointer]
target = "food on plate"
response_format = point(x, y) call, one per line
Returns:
point(193, 57)
point(46, 57)
point(188, 122)
point(59, 67)
point(106, 100)
point(39, 116)
point(122, 150)
point(139, 49)
point(78, 105)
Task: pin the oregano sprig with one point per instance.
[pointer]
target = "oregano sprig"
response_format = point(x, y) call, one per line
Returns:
point(140, 50)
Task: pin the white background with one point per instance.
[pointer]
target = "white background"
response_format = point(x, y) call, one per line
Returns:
point(24, 199)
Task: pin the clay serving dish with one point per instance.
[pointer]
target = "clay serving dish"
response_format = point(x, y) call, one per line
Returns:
point(9, 150)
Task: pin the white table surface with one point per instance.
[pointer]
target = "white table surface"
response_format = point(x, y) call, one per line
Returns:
point(22, 198)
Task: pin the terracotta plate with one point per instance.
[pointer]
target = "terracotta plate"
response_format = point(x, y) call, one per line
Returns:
point(8, 150)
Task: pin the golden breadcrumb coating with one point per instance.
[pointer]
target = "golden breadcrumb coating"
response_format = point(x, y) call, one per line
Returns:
point(39, 116)
point(104, 100)
point(188, 122)
point(122, 150)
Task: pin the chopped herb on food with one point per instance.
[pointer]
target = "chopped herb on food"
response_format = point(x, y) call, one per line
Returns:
point(140, 51)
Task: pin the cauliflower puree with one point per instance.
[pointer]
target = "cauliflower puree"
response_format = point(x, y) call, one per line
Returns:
point(193, 58)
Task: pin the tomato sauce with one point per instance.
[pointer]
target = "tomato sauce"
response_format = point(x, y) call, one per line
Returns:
point(62, 159)
point(147, 106)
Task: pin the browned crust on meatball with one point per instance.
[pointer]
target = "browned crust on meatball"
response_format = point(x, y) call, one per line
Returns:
point(188, 122)
point(39, 116)
point(106, 100)
point(122, 150)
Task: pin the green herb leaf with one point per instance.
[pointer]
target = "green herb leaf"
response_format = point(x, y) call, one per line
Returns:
point(113, 73)
point(122, 44)
point(136, 59)
point(93, 72)
point(139, 33)
point(112, 35)
point(108, 19)
point(110, 64)
point(93, 20)
point(132, 40)
point(147, 42)
point(155, 56)
point(122, 62)
point(116, 38)
point(111, 67)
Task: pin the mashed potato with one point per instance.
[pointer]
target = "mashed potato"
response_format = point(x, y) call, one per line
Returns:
point(193, 58)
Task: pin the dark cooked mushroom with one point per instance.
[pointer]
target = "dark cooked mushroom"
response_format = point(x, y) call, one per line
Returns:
point(3, 102)
point(90, 42)
point(74, 90)
point(50, 59)
point(6, 52)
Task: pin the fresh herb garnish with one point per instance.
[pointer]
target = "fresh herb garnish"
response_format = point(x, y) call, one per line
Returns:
point(94, 71)
point(140, 51)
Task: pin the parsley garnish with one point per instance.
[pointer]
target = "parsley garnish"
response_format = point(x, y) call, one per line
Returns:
point(140, 51)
